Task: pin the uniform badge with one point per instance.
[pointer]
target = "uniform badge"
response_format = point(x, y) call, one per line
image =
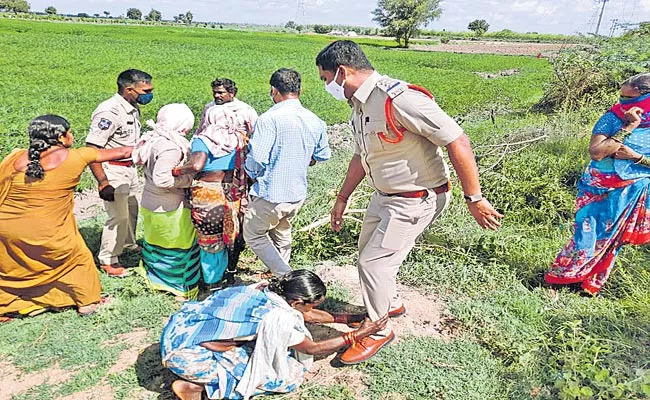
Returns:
point(104, 124)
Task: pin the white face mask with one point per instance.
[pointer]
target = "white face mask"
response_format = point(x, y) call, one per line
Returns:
point(337, 91)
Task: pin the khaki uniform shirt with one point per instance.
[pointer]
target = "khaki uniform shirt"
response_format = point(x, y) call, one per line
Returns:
point(416, 162)
point(115, 123)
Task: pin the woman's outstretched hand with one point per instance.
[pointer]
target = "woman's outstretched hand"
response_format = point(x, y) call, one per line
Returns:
point(626, 153)
point(369, 327)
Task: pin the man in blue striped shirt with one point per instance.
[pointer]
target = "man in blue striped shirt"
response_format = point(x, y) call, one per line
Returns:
point(287, 139)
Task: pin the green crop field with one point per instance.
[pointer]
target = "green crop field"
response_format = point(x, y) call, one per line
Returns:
point(69, 68)
point(506, 336)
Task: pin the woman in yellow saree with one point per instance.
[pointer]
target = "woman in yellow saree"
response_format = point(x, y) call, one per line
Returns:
point(44, 261)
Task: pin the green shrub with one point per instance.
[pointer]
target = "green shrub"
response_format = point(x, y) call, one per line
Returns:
point(591, 75)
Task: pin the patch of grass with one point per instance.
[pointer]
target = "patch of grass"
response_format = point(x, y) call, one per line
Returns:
point(78, 343)
point(423, 368)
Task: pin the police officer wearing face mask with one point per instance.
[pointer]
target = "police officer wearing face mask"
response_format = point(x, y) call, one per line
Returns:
point(116, 123)
point(400, 132)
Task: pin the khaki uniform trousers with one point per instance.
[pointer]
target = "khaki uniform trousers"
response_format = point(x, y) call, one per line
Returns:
point(390, 228)
point(267, 230)
point(119, 228)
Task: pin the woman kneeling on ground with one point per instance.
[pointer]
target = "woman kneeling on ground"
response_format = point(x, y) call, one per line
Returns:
point(44, 261)
point(613, 194)
point(249, 340)
point(170, 255)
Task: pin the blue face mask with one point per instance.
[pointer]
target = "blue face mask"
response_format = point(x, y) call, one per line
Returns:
point(144, 98)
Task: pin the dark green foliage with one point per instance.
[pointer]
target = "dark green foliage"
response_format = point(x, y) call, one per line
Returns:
point(133, 13)
point(590, 75)
point(403, 18)
point(478, 26)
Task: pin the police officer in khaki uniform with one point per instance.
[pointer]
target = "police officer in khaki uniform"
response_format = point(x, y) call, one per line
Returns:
point(116, 123)
point(400, 154)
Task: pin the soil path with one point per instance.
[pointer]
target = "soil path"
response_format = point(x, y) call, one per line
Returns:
point(491, 47)
point(15, 381)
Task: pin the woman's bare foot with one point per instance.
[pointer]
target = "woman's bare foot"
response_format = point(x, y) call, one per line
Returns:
point(90, 309)
point(187, 390)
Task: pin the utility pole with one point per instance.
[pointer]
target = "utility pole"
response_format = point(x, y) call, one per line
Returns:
point(600, 18)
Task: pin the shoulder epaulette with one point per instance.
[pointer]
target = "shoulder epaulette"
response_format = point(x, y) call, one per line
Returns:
point(392, 87)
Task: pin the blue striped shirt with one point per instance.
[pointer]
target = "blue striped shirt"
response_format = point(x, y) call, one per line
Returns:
point(284, 140)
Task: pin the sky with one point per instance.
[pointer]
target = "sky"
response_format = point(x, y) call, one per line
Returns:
point(543, 16)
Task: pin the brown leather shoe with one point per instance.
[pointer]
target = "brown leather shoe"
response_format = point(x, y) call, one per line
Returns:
point(364, 349)
point(398, 312)
point(115, 270)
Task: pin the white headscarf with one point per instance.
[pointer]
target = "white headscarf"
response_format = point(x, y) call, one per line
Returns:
point(220, 134)
point(173, 122)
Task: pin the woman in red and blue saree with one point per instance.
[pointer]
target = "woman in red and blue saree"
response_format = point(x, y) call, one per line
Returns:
point(247, 340)
point(219, 191)
point(612, 208)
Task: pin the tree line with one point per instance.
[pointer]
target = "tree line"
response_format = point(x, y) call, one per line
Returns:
point(401, 19)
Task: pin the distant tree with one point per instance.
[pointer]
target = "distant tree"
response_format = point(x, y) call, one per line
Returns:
point(50, 10)
point(402, 18)
point(299, 28)
point(154, 15)
point(478, 26)
point(322, 28)
point(290, 25)
point(188, 17)
point(107, 13)
point(178, 18)
point(96, 15)
point(83, 15)
point(14, 6)
point(133, 13)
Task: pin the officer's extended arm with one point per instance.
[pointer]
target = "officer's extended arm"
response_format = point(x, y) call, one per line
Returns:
point(353, 178)
point(462, 158)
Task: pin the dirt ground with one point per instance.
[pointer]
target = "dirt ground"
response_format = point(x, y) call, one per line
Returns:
point(423, 318)
point(491, 47)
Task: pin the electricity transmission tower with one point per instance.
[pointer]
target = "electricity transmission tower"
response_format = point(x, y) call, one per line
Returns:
point(300, 12)
point(600, 17)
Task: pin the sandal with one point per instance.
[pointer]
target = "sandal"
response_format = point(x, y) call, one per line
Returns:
point(32, 311)
point(5, 319)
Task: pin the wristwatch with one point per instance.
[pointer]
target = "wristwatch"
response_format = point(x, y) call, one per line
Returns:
point(473, 198)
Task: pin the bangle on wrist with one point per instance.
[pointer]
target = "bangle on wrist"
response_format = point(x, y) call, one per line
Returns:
point(644, 161)
point(621, 135)
point(342, 198)
point(350, 338)
point(347, 339)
